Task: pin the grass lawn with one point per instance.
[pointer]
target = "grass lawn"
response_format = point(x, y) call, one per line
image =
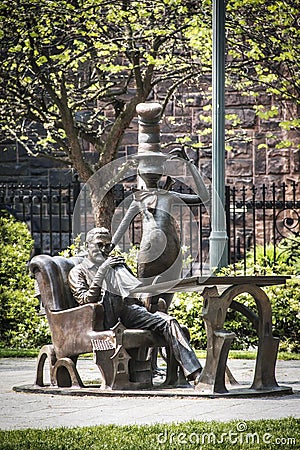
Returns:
point(246, 354)
point(233, 354)
point(18, 353)
point(261, 434)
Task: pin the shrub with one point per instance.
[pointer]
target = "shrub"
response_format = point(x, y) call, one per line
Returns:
point(285, 300)
point(20, 325)
point(186, 308)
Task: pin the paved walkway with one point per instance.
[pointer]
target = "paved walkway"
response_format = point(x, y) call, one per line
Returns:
point(24, 410)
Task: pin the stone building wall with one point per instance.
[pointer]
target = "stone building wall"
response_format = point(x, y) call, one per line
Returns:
point(253, 159)
point(17, 167)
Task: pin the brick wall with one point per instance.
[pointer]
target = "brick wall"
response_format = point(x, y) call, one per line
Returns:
point(253, 159)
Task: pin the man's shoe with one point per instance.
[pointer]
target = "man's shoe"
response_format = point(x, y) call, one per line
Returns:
point(197, 379)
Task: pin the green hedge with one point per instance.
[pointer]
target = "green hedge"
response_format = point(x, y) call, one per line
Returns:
point(20, 325)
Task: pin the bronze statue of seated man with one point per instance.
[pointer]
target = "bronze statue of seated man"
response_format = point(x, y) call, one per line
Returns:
point(103, 278)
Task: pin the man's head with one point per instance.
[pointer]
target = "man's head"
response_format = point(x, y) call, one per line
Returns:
point(98, 241)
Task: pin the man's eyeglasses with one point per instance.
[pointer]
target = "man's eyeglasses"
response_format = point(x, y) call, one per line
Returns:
point(104, 248)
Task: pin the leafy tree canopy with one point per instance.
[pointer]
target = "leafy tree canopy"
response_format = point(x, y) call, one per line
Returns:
point(264, 51)
point(75, 70)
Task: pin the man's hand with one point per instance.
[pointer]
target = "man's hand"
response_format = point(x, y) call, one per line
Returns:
point(180, 154)
point(116, 260)
point(112, 261)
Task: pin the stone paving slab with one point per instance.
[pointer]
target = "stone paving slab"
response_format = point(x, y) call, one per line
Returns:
point(25, 410)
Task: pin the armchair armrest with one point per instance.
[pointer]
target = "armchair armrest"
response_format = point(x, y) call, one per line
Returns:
point(73, 329)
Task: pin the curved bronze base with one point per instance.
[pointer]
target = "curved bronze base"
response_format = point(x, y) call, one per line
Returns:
point(156, 391)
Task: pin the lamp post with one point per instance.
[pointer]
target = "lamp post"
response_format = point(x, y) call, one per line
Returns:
point(218, 237)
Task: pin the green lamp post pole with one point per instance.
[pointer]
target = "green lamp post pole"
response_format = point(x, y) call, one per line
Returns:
point(218, 237)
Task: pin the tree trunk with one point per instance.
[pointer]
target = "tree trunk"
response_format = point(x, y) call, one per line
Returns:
point(104, 210)
point(104, 206)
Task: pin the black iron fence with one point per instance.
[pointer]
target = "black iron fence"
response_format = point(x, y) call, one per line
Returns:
point(47, 210)
point(257, 217)
point(260, 217)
